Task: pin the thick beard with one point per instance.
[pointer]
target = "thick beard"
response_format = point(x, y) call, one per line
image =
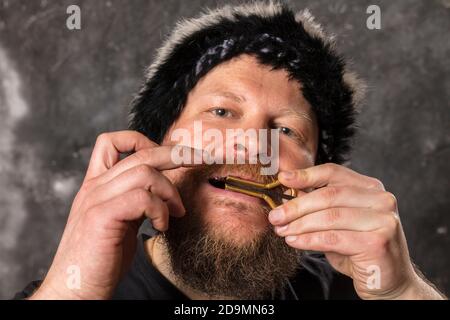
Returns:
point(209, 263)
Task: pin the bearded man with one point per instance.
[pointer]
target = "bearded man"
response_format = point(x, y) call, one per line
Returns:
point(254, 66)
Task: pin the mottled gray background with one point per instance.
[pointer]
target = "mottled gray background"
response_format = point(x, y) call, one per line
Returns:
point(60, 88)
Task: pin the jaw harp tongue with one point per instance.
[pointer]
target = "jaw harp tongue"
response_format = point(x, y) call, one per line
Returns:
point(272, 193)
point(238, 185)
point(225, 183)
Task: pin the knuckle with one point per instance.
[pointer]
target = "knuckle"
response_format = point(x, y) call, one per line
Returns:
point(331, 167)
point(374, 183)
point(330, 194)
point(90, 185)
point(390, 201)
point(330, 238)
point(144, 170)
point(332, 216)
point(307, 239)
point(102, 137)
point(89, 193)
point(392, 222)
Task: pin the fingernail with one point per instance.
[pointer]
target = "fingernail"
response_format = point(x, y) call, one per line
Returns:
point(291, 238)
point(276, 215)
point(281, 229)
point(287, 174)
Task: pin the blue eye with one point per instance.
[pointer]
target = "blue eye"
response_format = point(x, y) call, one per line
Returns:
point(286, 131)
point(221, 112)
point(292, 134)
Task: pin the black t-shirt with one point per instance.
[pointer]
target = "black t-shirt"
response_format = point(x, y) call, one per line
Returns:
point(315, 280)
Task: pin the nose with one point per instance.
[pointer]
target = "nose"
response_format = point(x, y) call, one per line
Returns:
point(244, 151)
point(240, 151)
point(247, 143)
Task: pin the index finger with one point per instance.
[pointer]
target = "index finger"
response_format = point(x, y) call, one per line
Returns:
point(328, 174)
point(109, 146)
point(160, 157)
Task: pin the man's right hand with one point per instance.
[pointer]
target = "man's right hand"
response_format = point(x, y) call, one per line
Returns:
point(99, 239)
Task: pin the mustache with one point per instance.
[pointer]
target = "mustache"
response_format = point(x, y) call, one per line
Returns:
point(246, 171)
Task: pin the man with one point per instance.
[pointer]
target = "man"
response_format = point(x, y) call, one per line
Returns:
point(256, 66)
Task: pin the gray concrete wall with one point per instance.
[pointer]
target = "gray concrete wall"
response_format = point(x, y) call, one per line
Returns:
point(60, 88)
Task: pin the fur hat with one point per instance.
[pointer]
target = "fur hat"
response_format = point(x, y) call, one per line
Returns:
point(277, 37)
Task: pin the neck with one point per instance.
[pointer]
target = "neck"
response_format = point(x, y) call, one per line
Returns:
point(158, 255)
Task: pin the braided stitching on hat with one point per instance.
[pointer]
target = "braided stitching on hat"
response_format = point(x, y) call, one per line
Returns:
point(264, 43)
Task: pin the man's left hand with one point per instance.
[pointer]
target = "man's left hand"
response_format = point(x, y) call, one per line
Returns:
point(355, 222)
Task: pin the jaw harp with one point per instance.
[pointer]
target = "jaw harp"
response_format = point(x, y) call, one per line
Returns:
point(272, 193)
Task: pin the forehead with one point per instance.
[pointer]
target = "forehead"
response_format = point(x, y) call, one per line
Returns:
point(246, 78)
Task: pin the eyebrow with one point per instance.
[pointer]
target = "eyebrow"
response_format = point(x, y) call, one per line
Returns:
point(230, 95)
point(294, 112)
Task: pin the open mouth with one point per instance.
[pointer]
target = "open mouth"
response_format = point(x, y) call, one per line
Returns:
point(219, 186)
point(238, 187)
point(218, 182)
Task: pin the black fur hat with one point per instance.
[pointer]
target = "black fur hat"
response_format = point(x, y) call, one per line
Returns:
point(277, 37)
